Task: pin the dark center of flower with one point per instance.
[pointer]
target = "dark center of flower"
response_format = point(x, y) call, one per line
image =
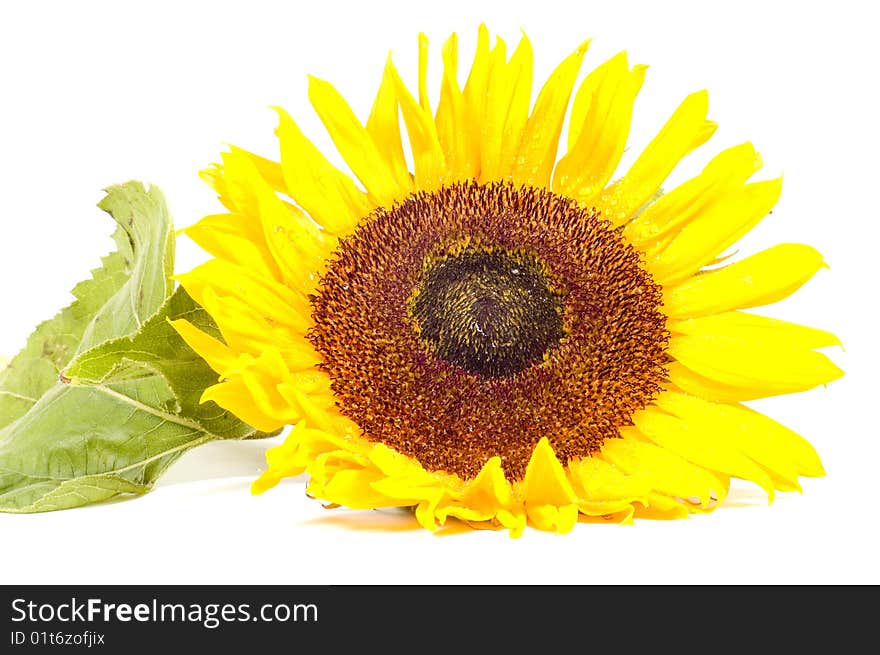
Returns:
point(489, 312)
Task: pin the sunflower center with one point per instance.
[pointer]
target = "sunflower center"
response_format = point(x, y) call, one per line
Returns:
point(471, 321)
point(489, 312)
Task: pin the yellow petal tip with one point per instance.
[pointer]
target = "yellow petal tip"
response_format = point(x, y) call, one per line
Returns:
point(263, 483)
point(701, 96)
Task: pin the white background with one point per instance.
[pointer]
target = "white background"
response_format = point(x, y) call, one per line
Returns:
point(94, 93)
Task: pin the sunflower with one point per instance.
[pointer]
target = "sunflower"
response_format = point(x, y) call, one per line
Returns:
point(500, 335)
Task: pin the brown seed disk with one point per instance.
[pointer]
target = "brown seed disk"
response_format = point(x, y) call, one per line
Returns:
point(453, 411)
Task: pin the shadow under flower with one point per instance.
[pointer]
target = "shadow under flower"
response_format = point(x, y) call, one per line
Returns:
point(402, 519)
point(393, 519)
point(739, 497)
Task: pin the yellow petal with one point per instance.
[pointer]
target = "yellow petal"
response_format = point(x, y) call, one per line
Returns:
point(400, 466)
point(352, 488)
point(663, 218)
point(606, 509)
point(687, 380)
point(238, 170)
point(324, 454)
point(269, 170)
point(602, 488)
point(301, 255)
point(225, 179)
point(327, 464)
point(537, 149)
point(508, 97)
point(545, 482)
point(550, 517)
point(768, 443)
point(662, 507)
point(761, 279)
point(264, 395)
point(475, 92)
point(488, 493)
point(326, 193)
point(722, 224)
point(424, 103)
point(428, 157)
point(547, 494)
point(298, 247)
point(234, 396)
point(607, 76)
point(216, 353)
point(754, 328)
point(405, 480)
point(298, 354)
point(425, 498)
point(233, 237)
point(289, 458)
point(759, 368)
point(304, 444)
point(685, 130)
point(383, 126)
point(262, 296)
point(700, 445)
point(213, 175)
point(598, 128)
point(514, 521)
point(664, 471)
point(315, 409)
point(244, 330)
point(354, 143)
point(462, 155)
point(237, 195)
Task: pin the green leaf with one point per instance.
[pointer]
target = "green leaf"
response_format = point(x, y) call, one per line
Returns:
point(157, 351)
point(131, 285)
point(145, 243)
point(105, 396)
